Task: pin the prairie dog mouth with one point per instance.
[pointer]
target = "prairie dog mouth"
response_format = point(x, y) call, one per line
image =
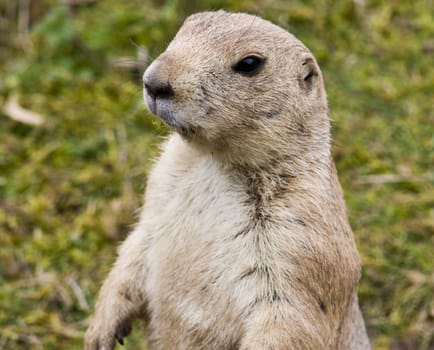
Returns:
point(161, 107)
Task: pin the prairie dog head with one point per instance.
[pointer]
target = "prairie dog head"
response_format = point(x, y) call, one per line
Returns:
point(241, 87)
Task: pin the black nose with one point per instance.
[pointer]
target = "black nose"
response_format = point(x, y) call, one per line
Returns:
point(157, 88)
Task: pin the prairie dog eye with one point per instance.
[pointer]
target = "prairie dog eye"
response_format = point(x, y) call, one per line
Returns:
point(249, 65)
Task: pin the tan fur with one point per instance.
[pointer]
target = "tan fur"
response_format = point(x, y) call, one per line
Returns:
point(243, 241)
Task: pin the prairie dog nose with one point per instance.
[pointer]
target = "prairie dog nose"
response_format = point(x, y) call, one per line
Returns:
point(156, 79)
point(158, 88)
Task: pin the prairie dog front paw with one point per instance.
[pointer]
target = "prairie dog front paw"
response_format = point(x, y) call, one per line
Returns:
point(102, 334)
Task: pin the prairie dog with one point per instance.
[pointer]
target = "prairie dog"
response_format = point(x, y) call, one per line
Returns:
point(243, 241)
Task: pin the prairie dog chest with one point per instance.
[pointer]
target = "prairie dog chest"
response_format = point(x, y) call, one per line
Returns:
point(198, 211)
point(193, 212)
point(194, 257)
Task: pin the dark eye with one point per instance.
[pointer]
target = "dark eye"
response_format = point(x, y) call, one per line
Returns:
point(249, 65)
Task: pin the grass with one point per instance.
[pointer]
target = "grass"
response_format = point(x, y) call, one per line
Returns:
point(70, 188)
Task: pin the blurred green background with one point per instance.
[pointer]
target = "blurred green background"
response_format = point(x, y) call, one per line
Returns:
point(72, 174)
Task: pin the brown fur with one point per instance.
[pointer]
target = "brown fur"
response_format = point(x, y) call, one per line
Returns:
point(243, 241)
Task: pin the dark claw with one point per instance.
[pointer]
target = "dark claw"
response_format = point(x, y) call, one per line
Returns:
point(120, 340)
point(123, 330)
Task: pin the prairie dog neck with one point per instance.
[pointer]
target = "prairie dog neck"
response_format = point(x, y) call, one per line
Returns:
point(274, 178)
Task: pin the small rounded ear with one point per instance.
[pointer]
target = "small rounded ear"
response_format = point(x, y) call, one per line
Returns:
point(309, 73)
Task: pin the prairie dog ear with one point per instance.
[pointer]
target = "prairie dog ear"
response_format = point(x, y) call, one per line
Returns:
point(309, 73)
